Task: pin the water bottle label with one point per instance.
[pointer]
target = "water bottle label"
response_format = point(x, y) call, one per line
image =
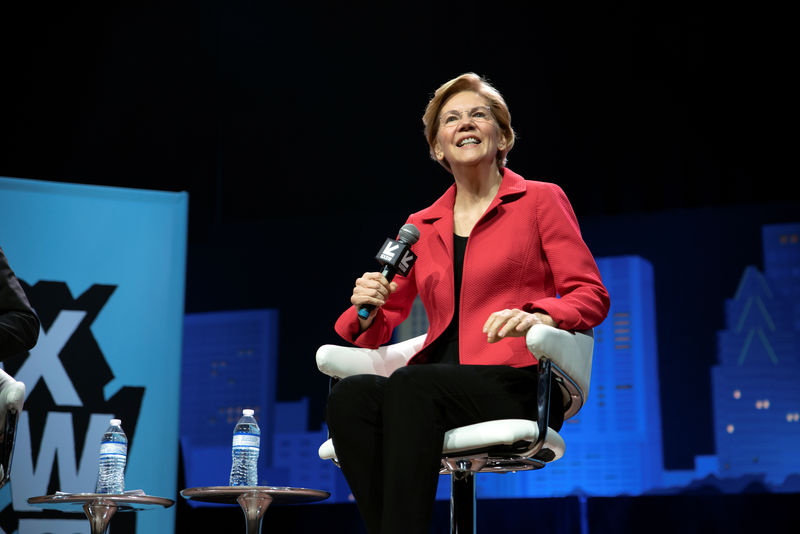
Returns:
point(113, 448)
point(246, 440)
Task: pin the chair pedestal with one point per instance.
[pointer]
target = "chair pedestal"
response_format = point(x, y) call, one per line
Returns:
point(462, 492)
point(462, 503)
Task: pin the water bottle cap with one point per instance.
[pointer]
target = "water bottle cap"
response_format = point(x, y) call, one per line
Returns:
point(116, 422)
point(248, 411)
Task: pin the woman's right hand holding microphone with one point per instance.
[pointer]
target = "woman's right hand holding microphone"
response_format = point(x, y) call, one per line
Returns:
point(373, 289)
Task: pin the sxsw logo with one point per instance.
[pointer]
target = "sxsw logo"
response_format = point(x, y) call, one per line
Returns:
point(65, 412)
point(389, 251)
point(398, 255)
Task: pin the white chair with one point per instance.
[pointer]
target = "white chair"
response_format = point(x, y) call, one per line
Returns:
point(565, 360)
point(12, 395)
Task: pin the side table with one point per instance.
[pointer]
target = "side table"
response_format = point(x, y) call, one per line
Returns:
point(100, 507)
point(254, 500)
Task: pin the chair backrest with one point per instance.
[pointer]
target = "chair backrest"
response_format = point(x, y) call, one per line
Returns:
point(569, 352)
point(339, 361)
point(571, 356)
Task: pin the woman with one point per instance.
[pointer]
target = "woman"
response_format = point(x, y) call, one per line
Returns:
point(496, 255)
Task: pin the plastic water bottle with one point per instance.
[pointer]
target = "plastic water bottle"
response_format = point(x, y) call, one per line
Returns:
point(113, 456)
point(246, 444)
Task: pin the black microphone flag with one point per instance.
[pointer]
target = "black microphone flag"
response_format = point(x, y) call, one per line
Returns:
point(396, 256)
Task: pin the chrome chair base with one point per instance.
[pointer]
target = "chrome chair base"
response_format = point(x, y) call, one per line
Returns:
point(7, 439)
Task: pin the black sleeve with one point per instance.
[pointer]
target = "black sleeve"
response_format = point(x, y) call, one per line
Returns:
point(19, 324)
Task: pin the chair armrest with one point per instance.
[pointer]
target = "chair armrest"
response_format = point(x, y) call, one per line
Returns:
point(341, 361)
point(571, 355)
point(12, 394)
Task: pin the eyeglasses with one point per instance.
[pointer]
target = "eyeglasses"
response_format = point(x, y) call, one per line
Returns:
point(454, 116)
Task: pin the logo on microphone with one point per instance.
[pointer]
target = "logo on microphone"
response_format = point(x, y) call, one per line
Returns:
point(388, 253)
point(398, 255)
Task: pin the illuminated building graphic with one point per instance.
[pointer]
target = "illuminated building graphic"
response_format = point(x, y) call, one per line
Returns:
point(294, 454)
point(623, 404)
point(756, 385)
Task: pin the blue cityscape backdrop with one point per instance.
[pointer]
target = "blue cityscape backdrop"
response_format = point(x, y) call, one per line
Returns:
point(614, 446)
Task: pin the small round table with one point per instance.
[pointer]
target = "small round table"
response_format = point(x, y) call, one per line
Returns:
point(254, 500)
point(100, 507)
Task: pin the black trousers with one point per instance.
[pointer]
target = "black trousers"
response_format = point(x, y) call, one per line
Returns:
point(388, 432)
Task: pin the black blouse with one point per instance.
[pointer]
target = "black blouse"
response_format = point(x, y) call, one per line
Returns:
point(445, 349)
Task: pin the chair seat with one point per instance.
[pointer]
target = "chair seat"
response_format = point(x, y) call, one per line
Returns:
point(509, 439)
point(518, 434)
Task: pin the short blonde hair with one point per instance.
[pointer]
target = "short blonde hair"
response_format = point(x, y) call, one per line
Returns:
point(477, 84)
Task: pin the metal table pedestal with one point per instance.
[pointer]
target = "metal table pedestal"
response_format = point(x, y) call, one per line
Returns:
point(254, 500)
point(100, 507)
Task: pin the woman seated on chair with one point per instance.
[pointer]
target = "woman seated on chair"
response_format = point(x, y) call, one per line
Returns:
point(497, 254)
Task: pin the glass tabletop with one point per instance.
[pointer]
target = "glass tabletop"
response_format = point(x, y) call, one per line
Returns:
point(230, 494)
point(68, 502)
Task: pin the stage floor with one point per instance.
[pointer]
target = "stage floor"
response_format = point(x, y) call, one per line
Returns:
point(685, 514)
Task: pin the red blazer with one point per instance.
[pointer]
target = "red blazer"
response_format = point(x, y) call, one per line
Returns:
point(523, 252)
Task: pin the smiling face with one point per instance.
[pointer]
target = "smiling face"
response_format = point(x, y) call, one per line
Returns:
point(468, 134)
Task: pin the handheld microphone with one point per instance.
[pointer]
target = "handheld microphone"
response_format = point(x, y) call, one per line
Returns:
point(396, 257)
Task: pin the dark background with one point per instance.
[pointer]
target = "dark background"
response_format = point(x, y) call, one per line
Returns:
point(296, 130)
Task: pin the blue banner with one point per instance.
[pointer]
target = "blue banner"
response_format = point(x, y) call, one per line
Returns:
point(105, 270)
